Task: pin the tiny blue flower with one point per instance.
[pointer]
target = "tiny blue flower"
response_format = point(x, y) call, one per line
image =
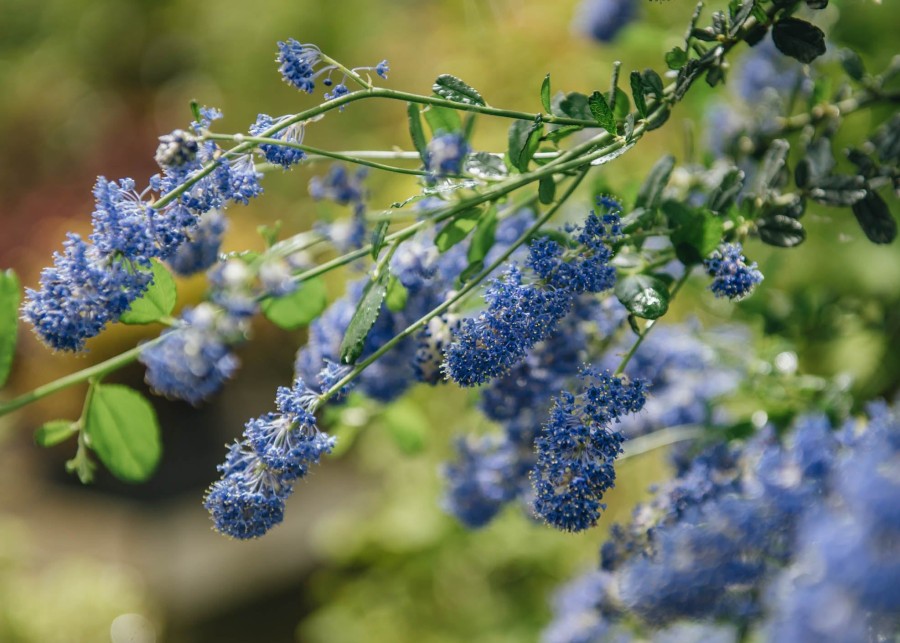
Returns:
point(732, 276)
point(297, 64)
point(602, 20)
point(445, 155)
point(280, 154)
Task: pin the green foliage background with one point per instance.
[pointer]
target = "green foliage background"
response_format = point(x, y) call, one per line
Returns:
point(87, 87)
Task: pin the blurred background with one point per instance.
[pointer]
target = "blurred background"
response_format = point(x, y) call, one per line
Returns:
point(366, 553)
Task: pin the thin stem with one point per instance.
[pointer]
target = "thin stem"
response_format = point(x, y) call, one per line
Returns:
point(662, 438)
point(465, 290)
point(95, 371)
point(650, 325)
point(340, 156)
point(348, 72)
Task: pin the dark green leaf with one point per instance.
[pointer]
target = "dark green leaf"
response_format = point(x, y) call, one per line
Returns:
point(157, 302)
point(875, 219)
point(741, 15)
point(364, 317)
point(122, 430)
point(798, 39)
point(697, 232)
point(643, 295)
point(839, 190)
point(602, 113)
point(658, 118)
point(723, 195)
point(396, 296)
point(816, 4)
point(653, 83)
point(715, 76)
point(416, 132)
point(706, 35)
point(772, 165)
point(55, 431)
point(637, 93)
point(457, 229)
point(452, 88)
point(793, 207)
point(676, 58)
point(852, 64)
point(815, 165)
point(378, 238)
point(546, 190)
point(629, 128)
point(442, 120)
point(469, 125)
point(545, 93)
point(485, 165)
point(524, 138)
point(782, 231)
point(651, 191)
point(573, 105)
point(9, 315)
point(298, 308)
point(887, 140)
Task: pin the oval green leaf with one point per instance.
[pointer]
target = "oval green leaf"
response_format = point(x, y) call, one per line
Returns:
point(157, 302)
point(122, 430)
point(298, 308)
point(55, 431)
point(644, 296)
point(452, 88)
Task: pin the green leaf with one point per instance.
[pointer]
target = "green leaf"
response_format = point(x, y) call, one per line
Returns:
point(724, 195)
point(298, 308)
point(416, 132)
point(637, 93)
point(483, 237)
point(545, 93)
point(485, 165)
point(9, 315)
point(839, 190)
point(875, 218)
point(772, 167)
point(524, 138)
point(442, 120)
point(781, 231)
point(157, 302)
point(602, 113)
point(629, 128)
point(378, 238)
point(122, 430)
point(676, 58)
point(573, 105)
point(852, 64)
point(452, 88)
point(643, 295)
point(546, 190)
point(653, 83)
point(457, 229)
point(396, 296)
point(651, 191)
point(55, 431)
point(697, 232)
point(269, 233)
point(798, 39)
point(364, 318)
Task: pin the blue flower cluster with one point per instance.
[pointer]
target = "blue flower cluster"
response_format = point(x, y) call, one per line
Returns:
point(493, 471)
point(445, 155)
point(280, 154)
point(201, 249)
point(347, 189)
point(92, 284)
point(602, 20)
point(732, 276)
point(520, 314)
point(194, 359)
point(578, 446)
point(301, 65)
point(787, 537)
point(259, 472)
